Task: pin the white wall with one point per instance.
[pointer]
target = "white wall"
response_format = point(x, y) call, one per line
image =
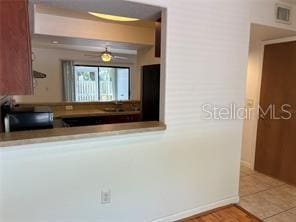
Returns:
point(252, 93)
point(191, 167)
point(145, 56)
point(48, 61)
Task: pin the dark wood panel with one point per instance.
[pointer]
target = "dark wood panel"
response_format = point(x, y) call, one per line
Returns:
point(158, 38)
point(288, 168)
point(276, 143)
point(15, 54)
point(150, 92)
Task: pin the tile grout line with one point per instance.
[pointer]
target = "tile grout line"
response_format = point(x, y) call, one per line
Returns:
point(273, 187)
point(270, 188)
point(279, 213)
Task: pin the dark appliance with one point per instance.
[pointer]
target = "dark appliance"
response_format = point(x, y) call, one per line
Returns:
point(150, 92)
point(28, 118)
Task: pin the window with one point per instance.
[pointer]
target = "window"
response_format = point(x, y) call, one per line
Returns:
point(101, 83)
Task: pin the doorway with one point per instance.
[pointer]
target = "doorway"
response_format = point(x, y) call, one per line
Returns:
point(268, 148)
point(260, 37)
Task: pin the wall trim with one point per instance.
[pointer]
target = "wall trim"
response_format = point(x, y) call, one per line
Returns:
point(198, 210)
point(281, 40)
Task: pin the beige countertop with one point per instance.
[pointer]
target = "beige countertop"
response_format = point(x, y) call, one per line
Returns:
point(90, 113)
point(62, 134)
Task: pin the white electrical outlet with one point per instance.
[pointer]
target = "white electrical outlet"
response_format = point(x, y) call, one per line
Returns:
point(105, 196)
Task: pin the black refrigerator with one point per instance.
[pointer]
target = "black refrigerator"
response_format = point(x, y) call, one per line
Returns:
point(150, 92)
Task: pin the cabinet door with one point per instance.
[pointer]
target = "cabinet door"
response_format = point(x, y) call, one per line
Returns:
point(150, 92)
point(15, 53)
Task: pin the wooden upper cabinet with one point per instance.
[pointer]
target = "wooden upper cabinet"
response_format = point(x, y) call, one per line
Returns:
point(15, 48)
point(158, 38)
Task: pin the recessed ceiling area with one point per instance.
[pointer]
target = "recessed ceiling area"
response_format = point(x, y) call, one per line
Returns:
point(113, 7)
point(66, 12)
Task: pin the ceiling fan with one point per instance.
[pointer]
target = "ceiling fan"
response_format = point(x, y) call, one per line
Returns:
point(106, 56)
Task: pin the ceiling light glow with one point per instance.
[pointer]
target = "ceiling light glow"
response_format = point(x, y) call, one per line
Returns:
point(106, 56)
point(113, 17)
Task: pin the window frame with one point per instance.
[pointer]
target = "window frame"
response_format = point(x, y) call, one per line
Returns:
point(111, 66)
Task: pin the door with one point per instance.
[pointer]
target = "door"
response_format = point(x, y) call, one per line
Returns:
point(276, 139)
point(150, 92)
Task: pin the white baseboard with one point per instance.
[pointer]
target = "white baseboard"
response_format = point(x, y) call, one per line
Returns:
point(246, 164)
point(198, 210)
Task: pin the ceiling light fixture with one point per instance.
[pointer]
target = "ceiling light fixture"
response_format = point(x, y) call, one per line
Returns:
point(106, 56)
point(113, 17)
point(55, 42)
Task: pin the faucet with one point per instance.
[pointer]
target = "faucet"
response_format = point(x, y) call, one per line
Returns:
point(118, 102)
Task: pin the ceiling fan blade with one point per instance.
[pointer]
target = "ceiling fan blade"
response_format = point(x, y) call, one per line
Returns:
point(91, 55)
point(120, 57)
point(39, 75)
point(94, 53)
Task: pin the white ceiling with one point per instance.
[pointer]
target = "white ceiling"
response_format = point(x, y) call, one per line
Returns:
point(114, 7)
point(264, 33)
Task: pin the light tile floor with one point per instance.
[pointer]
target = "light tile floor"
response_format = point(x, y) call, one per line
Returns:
point(267, 198)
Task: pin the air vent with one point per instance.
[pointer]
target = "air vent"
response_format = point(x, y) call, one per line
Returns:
point(283, 13)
